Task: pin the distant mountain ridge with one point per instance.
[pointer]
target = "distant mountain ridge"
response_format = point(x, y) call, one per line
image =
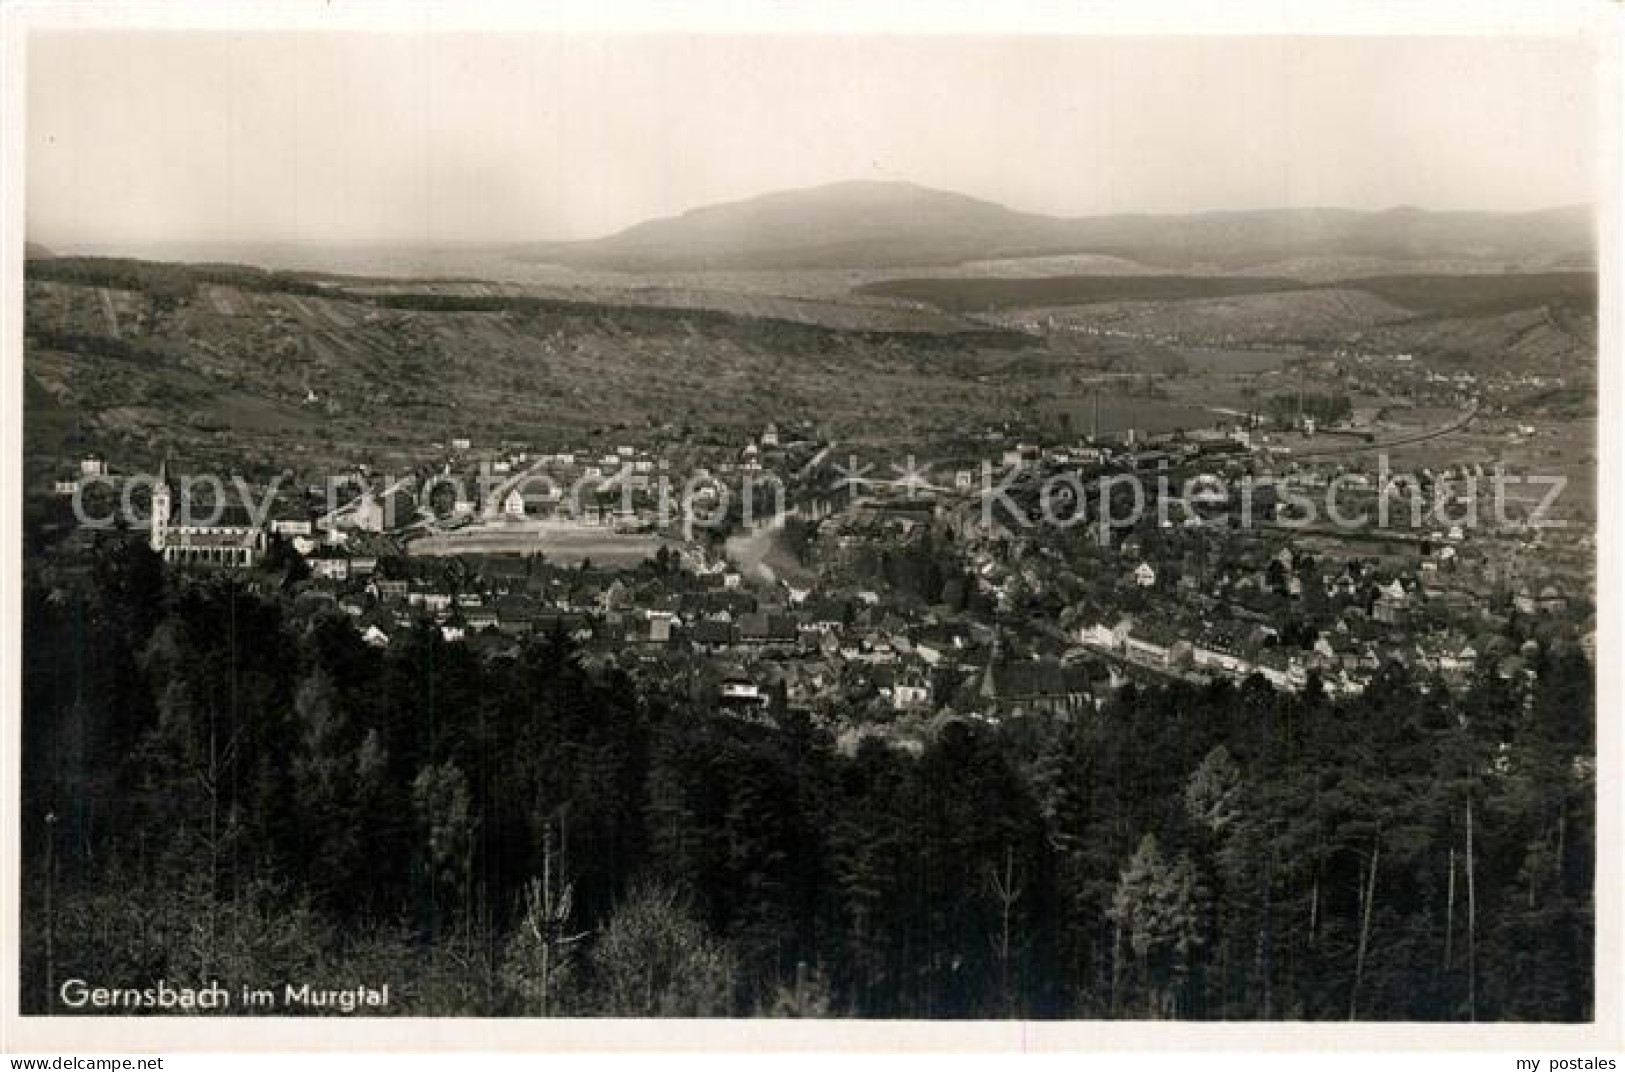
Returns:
point(899, 224)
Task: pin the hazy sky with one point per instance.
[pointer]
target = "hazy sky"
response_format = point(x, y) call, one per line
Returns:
point(189, 137)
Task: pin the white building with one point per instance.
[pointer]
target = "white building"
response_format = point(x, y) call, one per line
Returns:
point(369, 513)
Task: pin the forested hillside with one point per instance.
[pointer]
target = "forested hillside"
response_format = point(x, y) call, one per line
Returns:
point(223, 787)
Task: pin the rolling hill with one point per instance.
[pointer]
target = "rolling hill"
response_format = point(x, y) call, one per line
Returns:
point(896, 224)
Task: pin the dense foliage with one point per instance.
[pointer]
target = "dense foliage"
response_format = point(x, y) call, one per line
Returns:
point(215, 789)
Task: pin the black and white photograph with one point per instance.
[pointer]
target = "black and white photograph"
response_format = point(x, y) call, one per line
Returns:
point(532, 521)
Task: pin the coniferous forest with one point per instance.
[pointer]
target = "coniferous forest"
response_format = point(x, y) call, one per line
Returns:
point(215, 790)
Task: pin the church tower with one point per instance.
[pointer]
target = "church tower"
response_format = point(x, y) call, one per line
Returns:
point(989, 689)
point(161, 506)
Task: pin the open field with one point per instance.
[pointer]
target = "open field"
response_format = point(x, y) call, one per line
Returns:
point(1542, 340)
point(1119, 415)
point(1217, 359)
